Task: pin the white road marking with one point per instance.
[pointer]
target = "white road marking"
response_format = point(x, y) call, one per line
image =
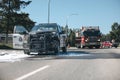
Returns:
point(32, 73)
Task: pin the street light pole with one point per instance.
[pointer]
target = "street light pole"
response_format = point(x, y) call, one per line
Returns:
point(1, 14)
point(8, 21)
point(49, 11)
point(0, 1)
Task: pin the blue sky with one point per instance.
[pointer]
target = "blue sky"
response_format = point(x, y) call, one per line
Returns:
point(101, 13)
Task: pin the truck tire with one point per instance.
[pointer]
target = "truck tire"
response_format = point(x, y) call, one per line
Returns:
point(90, 47)
point(78, 46)
point(82, 46)
point(97, 47)
point(64, 49)
point(27, 52)
point(56, 47)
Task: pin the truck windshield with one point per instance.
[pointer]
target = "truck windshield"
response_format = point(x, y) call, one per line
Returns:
point(44, 28)
point(91, 33)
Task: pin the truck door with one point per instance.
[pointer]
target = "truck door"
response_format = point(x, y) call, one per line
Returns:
point(18, 36)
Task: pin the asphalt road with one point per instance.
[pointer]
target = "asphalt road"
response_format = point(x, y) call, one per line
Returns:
point(76, 64)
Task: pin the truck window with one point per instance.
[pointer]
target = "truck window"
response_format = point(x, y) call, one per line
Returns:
point(20, 30)
point(92, 33)
point(44, 27)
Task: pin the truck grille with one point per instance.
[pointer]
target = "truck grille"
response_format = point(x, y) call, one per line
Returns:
point(93, 39)
point(37, 41)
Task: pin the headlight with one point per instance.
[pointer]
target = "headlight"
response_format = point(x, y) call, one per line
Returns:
point(98, 39)
point(33, 35)
point(53, 32)
point(86, 40)
point(42, 37)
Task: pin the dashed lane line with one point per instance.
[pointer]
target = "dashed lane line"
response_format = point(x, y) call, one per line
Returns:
point(33, 72)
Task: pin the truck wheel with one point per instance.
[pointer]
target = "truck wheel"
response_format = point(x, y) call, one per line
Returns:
point(64, 49)
point(97, 47)
point(78, 46)
point(82, 46)
point(57, 47)
point(90, 47)
point(26, 52)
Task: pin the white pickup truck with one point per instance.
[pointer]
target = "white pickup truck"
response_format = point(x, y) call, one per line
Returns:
point(18, 37)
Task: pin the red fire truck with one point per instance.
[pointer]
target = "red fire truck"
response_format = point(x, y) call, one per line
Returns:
point(88, 37)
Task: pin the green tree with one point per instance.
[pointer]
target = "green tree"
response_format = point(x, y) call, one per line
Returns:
point(23, 19)
point(106, 37)
point(71, 38)
point(11, 17)
point(9, 9)
point(115, 33)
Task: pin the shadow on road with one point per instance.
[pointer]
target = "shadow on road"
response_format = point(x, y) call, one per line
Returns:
point(76, 55)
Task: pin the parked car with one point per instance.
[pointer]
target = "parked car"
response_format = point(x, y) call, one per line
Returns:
point(106, 44)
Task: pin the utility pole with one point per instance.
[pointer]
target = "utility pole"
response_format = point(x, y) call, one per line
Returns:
point(0, 1)
point(1, 16)
point(49, 11)
point(8, 21)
